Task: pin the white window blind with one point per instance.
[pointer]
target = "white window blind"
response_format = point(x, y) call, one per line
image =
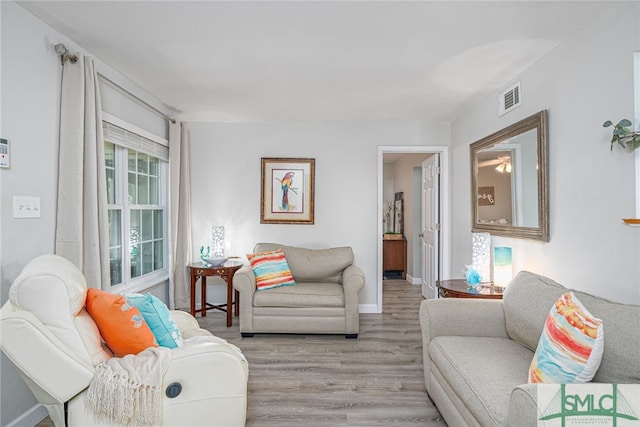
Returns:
point(156, 147)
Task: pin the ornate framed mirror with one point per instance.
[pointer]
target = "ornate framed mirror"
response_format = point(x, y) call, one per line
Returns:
point(509, 181)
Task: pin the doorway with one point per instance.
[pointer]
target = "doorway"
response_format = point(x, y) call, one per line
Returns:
point(443, 239)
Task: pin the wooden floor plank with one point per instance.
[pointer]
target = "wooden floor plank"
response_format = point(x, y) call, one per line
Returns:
point(327, 380)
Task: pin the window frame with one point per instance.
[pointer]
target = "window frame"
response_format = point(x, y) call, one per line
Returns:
point(121, 203)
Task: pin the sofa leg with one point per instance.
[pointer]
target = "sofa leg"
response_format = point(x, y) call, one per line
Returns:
point(246, 335)
point(351, 336)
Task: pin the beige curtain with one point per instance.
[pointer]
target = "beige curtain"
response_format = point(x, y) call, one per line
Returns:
point(180, 182)
point(82, 231)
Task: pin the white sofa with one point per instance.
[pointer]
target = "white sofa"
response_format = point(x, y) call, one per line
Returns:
point(49, 336)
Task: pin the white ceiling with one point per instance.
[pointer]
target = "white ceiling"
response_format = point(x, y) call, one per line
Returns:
point(289, 61)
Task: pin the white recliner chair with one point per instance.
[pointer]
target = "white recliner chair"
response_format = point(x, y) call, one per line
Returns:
point(49, 336)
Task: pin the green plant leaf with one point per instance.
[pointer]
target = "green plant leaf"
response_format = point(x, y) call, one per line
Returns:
point(624, 123)
point(607, 124)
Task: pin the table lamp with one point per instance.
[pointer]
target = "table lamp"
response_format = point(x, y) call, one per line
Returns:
point(217, 235)
point(502, 268)
point(481, 255)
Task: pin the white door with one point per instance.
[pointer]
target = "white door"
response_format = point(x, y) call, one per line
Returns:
point(430, 225)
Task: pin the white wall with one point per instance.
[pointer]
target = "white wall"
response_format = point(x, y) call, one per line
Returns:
point(582, 83)
point(225, 177)
point(30, 97)
point(31, 76)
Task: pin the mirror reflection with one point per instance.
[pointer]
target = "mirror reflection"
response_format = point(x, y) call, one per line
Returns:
point(398, 213)
point(509, 181)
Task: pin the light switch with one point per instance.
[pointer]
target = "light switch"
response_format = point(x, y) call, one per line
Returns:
point(26, 207)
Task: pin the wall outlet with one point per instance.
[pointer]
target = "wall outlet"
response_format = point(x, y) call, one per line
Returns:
point(26, 207)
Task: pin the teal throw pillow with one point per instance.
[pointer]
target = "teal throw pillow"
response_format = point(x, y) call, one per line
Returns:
point(157, 316)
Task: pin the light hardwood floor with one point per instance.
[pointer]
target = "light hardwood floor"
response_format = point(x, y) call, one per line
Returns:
point(327, 380)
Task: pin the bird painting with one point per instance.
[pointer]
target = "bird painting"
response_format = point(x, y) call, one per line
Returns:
point(286, 184)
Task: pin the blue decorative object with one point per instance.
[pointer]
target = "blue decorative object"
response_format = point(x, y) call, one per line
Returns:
point(205, 254)
point(473, 277)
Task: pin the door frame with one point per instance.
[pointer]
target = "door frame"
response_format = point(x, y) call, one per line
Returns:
point(445, 220)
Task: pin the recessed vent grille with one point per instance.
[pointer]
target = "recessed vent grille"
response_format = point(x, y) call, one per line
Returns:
point(509, 99)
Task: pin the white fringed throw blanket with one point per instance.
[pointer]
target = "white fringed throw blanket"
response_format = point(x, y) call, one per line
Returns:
point(128, 390)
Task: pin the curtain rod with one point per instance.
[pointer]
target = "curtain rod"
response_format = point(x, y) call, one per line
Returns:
point(62, 50)
point(136, 98)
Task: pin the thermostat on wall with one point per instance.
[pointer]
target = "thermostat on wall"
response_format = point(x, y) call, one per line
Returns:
point(4, 153)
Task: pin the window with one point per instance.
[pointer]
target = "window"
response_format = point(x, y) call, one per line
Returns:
point(136, 172)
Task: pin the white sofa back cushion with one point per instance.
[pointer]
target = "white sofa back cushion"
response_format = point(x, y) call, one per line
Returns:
point(54, 290)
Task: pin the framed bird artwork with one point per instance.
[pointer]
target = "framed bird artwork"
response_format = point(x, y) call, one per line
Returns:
point(287, 191)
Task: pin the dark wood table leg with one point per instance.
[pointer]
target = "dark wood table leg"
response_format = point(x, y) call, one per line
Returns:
point(237, 303)
point(229, 299)
point(203, 301)
point(192, 308)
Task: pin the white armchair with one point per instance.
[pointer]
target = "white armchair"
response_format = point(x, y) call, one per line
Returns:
point(46, 332)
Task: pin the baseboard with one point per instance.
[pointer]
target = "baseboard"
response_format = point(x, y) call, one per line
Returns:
point(414, 280)
point(31, 417)
point(368, 308)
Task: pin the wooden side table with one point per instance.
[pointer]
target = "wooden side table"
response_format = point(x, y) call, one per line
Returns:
point(459, 288)
point(394, 256)
point(226, 271)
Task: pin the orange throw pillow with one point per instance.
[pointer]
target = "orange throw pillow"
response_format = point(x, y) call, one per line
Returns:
point(121, 325)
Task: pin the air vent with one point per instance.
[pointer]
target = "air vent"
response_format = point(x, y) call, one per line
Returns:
point(509, 99)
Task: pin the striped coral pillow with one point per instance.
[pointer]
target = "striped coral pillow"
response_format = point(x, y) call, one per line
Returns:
point(271, 270)
point(571, 345)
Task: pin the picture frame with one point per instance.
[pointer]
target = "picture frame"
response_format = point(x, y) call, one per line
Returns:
point(287, 191)
point(486, 196)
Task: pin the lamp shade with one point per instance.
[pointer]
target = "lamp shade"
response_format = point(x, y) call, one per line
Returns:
point(217, 235)
point(502, 266)
point(481, 255)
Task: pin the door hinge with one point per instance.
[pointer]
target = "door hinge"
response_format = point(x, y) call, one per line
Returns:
point(438, 227)
point(437, 170)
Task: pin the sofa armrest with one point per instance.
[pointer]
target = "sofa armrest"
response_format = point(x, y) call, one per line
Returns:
point(244, 281)
point(188, 325)
point(469, 317)
point(232, 369)
point(62, 376)
point(184, 321)
point(458, 317)
point(213, 378)
point(352, 283)
point(523, 406)
point(353, 279)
